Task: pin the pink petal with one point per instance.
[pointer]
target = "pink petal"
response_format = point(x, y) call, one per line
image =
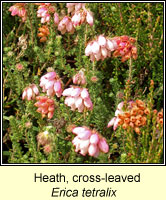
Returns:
point(103, 146)
point(67, 92)
point(35, 89)
point(95, 47)
point(29, 94)
point(81, 108)
point(104, 52)
point(110, 45)
point(84, 144)
point(75, 92)
point(120, 105)
point(118, 112)
point(69, 26)
point(92, 149)
point(24, 94)
point(84, 93)
point(84, 135)
point(71, 101)
point(94, 139)
point(57, 86)
point(50, 75)
point(88, 50)
point(78, 102)
point(111, 122)
point(77, 130)
point(56, 18)
point(102, 41)
point(116, 123)
point(49, 85)
point(89, 18)
point(88, 103)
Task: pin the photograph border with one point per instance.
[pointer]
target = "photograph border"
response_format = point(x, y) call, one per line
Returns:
point(76, 164)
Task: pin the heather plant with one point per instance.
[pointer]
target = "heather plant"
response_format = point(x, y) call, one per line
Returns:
point(83, 83)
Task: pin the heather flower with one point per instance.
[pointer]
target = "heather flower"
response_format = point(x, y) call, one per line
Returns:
point(77, 98)
point(47, 149)
point(65, 25)
point(19, 67)
point(160, 118)
point(30, 92)
point(45, 106)
point(134, 116)
point(115, 120)
point(94, 79)
point(89, 17)
point(81, 17)
point(89, 141)
point(19, 9)
point(43, 138)
point(28, 124)
point(44, 11)
point(79, 78)
point(44, 32)
point(74, 7)
point(100, 48)
point(126, 48)
point(51, 84)
point(56, 18)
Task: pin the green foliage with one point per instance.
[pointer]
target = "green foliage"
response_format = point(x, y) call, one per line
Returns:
point(66, 55)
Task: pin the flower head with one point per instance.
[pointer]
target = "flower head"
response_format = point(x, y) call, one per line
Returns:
point(65, 25)
point(19, 9)
point(100, 48)
point(43, 33)
point(30, 92)
point(43, 138)
point(51, 84)
point(74, 7)
point(89, 141)
point(79, 78)
point(126, 48)
point(44, 11)
point(45, 106)
point(77, 98)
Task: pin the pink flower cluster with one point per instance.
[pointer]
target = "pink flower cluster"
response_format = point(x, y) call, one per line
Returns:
point(66, 25)
point(115, 120)
point(19, 9)
point(45, 10)
point(100, 48)
point(126, 48)
point(89, 142)
point(79, 78)
point(51, 84)
point(45, 106)
point(81, 17)
point(77, 98)
point(30, 92)
point(74, 7)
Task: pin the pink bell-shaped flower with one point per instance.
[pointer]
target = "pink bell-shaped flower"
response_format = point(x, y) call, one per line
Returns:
point(30, 92)
point(51, 84)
